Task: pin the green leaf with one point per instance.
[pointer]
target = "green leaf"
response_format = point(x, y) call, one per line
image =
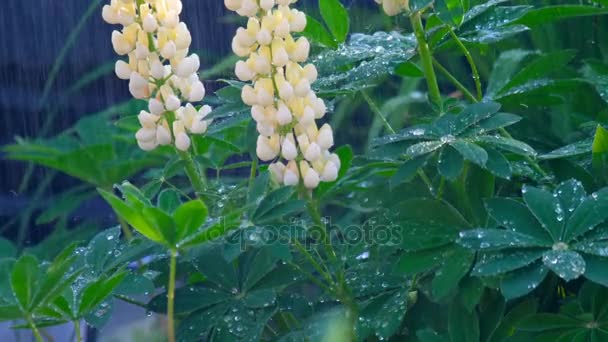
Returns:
point(567, 264)
point(599, 151)
point(420, 261)
point(97, 292)
point(471, 290)
point(317, 33)
point(547, 321)
point(514, 216)
point(417, 5)
point(507, 144)
point(24, 280)
point(498, 164)
point(491, 239)
point(591, 212)
point(463, 326)
point(597, 74)
point(423, 148)
point(59, 276)
point(190, 299)
point(473, 114)
point(189, 217)
point(133, 217)
point(550, 14)
point(10, 312)
point(168, 200)
point(271, 201)
point(420, 225)
point(495, 263)
point(407, 171)
point(450, 163)
point(545, 208)
point(539, 68)
point(595, 269)
point(471, 152)
point(447, 277)
point(281, 211)
point(383, 315)
point(451, 12)
point(361, 63)
point(498, 120)
point(512, 319)
point(427, 335)
point(504, 68)
point(161, 222)
point(574, 149)
point(409, 69)
point(336, 18)
point(522, 281)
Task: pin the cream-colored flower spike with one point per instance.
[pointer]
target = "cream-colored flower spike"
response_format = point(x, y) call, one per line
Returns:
point(394, 7)
point(282, 102)
point(159, 70)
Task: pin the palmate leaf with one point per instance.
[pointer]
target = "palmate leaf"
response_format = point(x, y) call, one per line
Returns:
point(550, 230)
point(583, 319)
point(362, 61)
point(97, 154)
point(464, 136)
point(236, 299)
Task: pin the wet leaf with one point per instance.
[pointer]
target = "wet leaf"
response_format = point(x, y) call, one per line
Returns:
point(522, 281)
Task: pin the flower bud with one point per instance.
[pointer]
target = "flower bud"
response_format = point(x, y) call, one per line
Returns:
point(149, 23)
point(289, 150)
point(156, 107)
point(122, 70)
point(188, 66)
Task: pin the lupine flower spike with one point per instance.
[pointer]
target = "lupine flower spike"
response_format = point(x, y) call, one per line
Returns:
point(159, 70)
point(282, 102)
point(394, 7)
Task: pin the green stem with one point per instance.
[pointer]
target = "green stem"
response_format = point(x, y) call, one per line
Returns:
point(197, 179)
point(427, 59)
point(454, 81)
point(426, 181)
point(313, 210)
point(311, 277)
point(532, 162)
point(469, 58)
point(372, 105)
point(253, 172)
point(171, 297)
point(314, 263)
point(472, 98)
point(34, 328)
point(77, 330)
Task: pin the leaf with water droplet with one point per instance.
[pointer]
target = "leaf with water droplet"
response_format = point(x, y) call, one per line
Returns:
point(495, 263)
point(567, 264)
point(450, 163)
point(492, 239)
point(522, 281)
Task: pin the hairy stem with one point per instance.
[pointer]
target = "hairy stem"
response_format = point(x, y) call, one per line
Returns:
point(197, 179)
point(171, 297)
point(427, 59)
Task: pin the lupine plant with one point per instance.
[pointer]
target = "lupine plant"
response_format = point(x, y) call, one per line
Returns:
point(439, 176)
